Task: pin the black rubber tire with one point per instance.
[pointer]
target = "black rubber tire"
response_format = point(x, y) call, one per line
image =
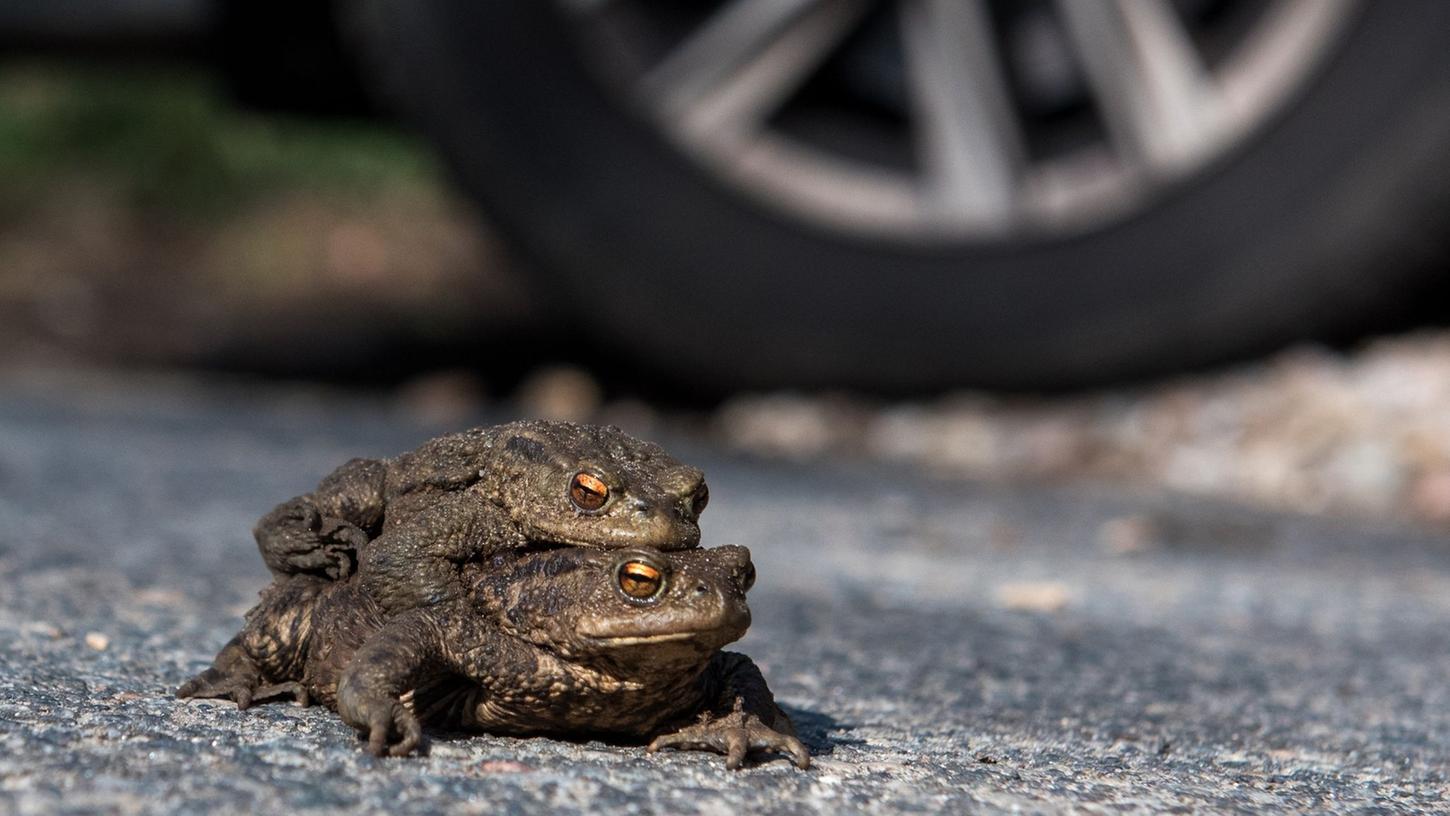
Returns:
point(1331, 216)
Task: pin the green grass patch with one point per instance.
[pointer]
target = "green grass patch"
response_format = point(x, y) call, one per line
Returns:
point(168, 140)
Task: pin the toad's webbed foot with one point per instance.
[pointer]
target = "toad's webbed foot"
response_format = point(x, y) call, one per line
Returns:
point(241, 687)
point(734, 735)
point(217, 684)
point(390, 728)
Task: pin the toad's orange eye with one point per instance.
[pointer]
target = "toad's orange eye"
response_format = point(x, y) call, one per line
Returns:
point(640, 580)
point(588, 491)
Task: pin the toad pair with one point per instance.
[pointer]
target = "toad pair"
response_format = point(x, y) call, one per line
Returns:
point(528, 578)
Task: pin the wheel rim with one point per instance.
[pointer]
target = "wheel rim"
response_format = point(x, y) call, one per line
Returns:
point(972, 121)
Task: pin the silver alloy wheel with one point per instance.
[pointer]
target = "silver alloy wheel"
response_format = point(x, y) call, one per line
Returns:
point(1156, 107)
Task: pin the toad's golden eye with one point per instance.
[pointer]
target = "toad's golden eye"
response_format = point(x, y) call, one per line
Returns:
point(640, 580)
point(588, 491)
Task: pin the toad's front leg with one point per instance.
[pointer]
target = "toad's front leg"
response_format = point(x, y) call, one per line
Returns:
point(743, 719)
point(392, 662)
point(321, 533)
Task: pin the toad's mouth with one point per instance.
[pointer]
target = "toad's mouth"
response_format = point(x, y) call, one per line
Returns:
point(612, 633)
point(708, 628)
point(644, 640)
point(666, 535)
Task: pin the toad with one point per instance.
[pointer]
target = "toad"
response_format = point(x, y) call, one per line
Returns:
point(407, 524)
point(621, 645)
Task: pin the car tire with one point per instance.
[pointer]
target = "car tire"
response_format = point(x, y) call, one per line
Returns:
point(1327, 220)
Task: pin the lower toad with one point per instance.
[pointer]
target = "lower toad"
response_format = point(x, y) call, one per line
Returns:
point(567, 642)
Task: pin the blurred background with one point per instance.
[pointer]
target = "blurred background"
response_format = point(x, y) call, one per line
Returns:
point(1195, 245)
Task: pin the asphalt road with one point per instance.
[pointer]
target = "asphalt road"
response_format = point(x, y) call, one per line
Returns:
point(943, 646)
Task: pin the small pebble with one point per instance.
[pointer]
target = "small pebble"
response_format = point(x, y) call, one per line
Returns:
point(497, 766)
point(1033, 596)
point(43, 629)
point(97, 641)
point(1126, 535)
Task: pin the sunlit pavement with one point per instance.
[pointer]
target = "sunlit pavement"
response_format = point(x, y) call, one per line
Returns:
point(943, 646)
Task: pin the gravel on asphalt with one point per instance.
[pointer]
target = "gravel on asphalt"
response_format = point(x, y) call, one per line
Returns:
point(1364, 433)
point(944, 645)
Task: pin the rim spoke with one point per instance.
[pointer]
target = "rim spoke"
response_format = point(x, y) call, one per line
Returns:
point(969, 137)
point(744, 61)
point(1151, 85)
point(1164, 111)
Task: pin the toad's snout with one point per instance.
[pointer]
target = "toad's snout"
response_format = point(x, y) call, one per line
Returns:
point(733, 562)
point(663, 526)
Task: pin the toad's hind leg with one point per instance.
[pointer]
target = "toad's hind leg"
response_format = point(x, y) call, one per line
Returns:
point(232, 676)
point(235, 676)
point(264, 661)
